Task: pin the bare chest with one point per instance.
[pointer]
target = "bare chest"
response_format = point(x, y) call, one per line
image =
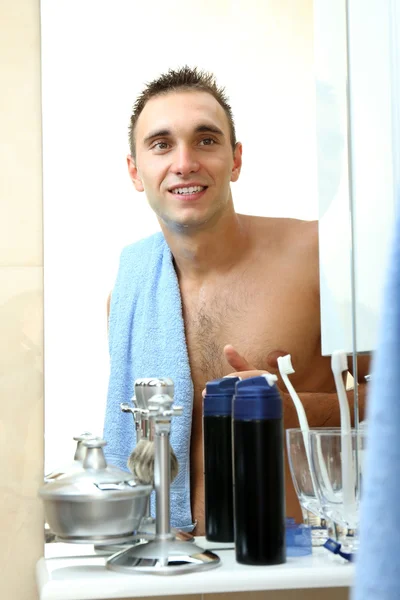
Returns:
point(258, 320)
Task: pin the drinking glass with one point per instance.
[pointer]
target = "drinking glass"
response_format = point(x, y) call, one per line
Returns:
point(327, 448)
point(303, 481)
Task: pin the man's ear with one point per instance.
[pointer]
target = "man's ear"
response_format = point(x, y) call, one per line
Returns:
point(133, 174)
point(237, 162)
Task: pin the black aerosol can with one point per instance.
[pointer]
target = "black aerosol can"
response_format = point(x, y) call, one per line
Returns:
point(259, 496)
point(217, 445)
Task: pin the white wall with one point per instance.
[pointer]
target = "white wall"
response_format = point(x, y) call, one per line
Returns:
point(96, 57)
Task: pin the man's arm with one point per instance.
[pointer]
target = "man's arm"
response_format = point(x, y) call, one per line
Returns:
point(322, 409)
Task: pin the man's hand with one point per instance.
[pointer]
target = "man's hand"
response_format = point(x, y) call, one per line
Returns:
point(243, 368)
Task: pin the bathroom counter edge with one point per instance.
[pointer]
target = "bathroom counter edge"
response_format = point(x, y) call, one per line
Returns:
point(86, 578)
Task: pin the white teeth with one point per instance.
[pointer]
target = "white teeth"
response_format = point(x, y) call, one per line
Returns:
point(188, 190)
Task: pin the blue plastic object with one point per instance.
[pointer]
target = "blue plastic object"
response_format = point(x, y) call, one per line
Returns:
point(298, 539)
point(335, 547)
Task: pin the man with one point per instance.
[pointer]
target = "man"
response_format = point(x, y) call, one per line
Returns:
point(249, 286)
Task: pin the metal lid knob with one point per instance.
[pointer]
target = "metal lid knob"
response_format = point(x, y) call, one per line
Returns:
point(95, 443)
point(94, 458)
point(80, 450)
point(86, 435)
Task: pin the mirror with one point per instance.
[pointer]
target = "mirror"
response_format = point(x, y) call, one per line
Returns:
point(95, 61)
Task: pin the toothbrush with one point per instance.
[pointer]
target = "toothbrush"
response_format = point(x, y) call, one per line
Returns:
point(286, 368)
point(338, 365)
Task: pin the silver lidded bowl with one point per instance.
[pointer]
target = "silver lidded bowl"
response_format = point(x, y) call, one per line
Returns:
point(68, 469)
point(98, 504)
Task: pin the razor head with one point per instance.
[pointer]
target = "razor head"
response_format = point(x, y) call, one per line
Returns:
point(148, 387)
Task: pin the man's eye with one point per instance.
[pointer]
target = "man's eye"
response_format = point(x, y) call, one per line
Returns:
point(160, 146)
point(207, 142)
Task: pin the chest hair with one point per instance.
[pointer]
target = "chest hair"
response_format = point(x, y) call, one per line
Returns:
point(209, 326)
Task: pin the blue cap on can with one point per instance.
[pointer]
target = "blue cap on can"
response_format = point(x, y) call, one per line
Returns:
point(257, 398)
point(218, 398)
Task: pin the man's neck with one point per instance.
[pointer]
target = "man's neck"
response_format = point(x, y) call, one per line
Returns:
point(210, 251)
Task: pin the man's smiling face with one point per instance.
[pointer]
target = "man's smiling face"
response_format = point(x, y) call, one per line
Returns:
point(184, 158)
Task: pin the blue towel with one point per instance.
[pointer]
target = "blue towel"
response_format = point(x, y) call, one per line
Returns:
point(378, 561)
point(147, 339)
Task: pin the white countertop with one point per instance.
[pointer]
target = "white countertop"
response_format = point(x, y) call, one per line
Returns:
point(86, 578)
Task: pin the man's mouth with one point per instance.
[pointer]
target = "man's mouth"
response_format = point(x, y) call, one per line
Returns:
point(188, 191)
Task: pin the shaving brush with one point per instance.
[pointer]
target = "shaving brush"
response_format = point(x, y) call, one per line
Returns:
point(141, 462)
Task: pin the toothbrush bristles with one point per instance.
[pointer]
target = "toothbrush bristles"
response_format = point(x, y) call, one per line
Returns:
point(285, 364)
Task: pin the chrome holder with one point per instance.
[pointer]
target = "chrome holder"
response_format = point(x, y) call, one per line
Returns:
point(165, 554)
point(163, 557)
point(145, 389)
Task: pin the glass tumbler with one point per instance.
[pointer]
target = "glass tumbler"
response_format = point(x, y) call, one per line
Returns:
point(337, 466)
point(304, 484)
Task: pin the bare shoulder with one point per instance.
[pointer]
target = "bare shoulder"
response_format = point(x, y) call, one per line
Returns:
point(293, 240)
point(293, 234)
point(301, 239)
point(305, 235)
point(305, 249)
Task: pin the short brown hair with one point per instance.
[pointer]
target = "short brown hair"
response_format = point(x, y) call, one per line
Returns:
point(185, 78)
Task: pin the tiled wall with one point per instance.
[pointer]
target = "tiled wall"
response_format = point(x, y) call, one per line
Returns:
point(21, 305)
point(21, 308)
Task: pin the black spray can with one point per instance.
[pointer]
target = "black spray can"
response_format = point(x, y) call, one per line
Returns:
point(259, 496)
point(217, 448)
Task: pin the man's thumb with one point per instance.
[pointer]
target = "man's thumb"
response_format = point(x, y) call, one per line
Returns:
point(236, 361)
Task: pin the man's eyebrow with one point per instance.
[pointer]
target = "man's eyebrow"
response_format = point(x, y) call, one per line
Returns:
point(208, 128)
point(203, 128)
point(156, 134)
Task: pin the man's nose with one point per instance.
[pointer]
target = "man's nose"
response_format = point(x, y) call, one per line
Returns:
point(185, 160)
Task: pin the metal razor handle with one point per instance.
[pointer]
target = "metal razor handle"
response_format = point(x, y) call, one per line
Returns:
point(161, 412)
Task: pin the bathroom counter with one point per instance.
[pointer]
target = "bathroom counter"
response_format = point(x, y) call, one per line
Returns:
point(84, 577)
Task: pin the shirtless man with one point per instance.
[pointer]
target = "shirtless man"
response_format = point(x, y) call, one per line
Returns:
point(249, 285)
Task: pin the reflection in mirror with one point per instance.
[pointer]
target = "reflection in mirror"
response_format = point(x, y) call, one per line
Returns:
point(91, 210)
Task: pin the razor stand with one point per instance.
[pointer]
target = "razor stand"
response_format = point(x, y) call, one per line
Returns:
point(145, 430)
point(165, 554)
